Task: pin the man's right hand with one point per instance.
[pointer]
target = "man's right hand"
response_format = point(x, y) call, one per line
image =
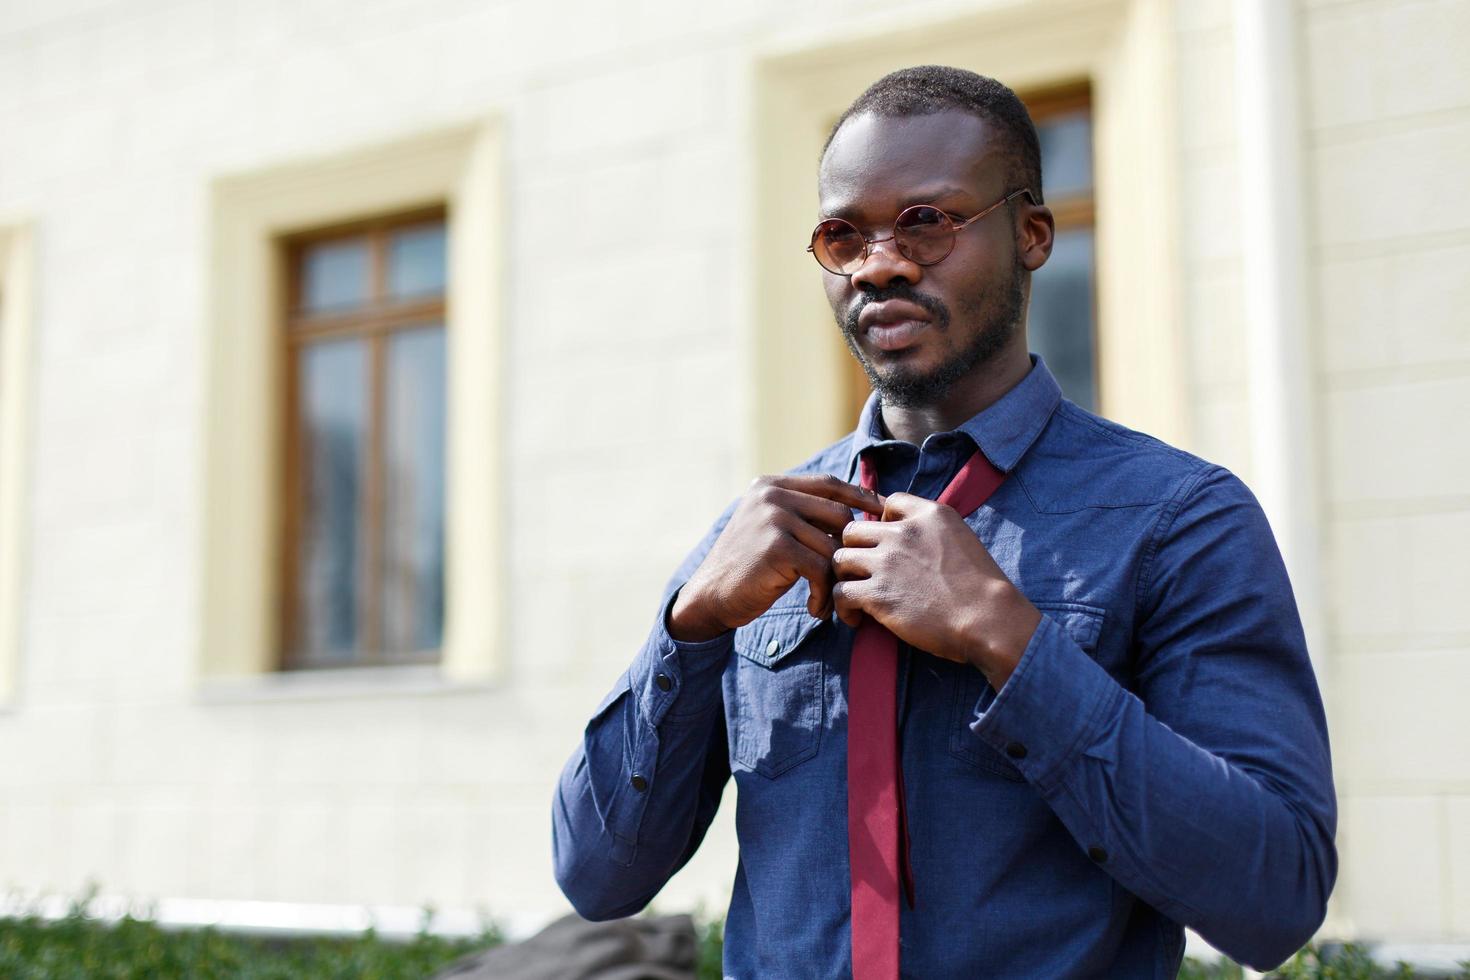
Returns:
point(783, 529)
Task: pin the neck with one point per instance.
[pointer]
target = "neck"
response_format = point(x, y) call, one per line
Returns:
point(967, 398)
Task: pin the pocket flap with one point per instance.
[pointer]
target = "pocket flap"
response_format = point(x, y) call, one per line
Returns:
point(771, 638)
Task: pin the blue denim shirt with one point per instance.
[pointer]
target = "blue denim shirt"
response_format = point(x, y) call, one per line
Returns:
point(1158, 758)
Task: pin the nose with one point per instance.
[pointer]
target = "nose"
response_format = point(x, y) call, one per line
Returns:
point(884, 266)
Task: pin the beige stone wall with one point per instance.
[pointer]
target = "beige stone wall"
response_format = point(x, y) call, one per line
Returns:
point(1212, 311)
point(635, 367)
point(1388, 138)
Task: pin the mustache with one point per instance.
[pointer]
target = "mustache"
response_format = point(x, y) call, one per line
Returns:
point(903, 291)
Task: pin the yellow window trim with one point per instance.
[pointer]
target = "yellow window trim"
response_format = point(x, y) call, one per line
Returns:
point(460, 168)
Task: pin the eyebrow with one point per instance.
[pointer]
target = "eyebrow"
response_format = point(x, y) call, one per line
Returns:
point(847, 209)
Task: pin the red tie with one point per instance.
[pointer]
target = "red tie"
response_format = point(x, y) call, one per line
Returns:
point(877, 829)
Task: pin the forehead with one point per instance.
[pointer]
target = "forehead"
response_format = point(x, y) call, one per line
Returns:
point(876, 163)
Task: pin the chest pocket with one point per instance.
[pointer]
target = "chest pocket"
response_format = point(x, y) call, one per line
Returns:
point(1082, 622)
point(774, 703)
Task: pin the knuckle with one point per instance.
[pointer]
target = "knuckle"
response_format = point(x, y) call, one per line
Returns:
point(784, 545)
point(769, 497)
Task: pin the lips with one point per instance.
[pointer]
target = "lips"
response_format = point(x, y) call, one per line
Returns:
point(893, 324)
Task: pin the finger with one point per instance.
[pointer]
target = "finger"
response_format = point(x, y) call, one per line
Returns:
point(815, 568)
point(811, 537)
point(839, 491)
point(850, 564)
point(897, 506)
point(819, 598)
point(865, 534)
point(819, 603)
point(827, 515)
point(847, 601)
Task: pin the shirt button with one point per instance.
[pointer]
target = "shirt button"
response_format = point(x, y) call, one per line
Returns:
point(1097, 854)
point(663, 682)
point(639, 783)
point(773, 648)
point(1016, 750)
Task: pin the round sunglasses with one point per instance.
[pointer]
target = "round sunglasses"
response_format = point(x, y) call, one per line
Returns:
point(922, 233)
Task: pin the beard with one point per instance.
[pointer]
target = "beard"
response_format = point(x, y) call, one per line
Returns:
point(997, 312)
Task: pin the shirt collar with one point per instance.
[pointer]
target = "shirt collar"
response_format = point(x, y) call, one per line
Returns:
point(1003, 432)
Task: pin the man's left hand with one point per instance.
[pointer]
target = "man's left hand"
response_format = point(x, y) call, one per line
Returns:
point(921, 572)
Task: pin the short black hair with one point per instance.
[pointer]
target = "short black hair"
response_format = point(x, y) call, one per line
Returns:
point(926, 89)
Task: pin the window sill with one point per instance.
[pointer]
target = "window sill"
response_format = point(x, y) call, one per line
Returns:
point(344, 683)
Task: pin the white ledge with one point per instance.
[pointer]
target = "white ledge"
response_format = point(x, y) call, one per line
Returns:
point(398, 922)
point(328, 685)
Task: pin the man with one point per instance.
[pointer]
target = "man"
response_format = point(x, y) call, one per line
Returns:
point(1107, 726)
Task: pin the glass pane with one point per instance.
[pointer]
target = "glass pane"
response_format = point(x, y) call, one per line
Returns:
point(413, 482)
point(1059, 325)
point(333, 426)
point(416, 261)
point(1066, 154)
point(335, 275)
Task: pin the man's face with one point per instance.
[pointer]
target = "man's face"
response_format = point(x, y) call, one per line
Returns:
point(917, 330)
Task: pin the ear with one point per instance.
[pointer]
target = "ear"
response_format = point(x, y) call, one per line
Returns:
point(1035, 233)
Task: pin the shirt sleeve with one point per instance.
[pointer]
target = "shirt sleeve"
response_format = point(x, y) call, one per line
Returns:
point(1205, 789)
point(635, 799)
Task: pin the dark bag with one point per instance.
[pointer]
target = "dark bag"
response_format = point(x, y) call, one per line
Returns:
point(571, 948)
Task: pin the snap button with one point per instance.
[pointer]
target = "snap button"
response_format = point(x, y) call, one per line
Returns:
point(1097, 854)
point(663, 682)
point(639, 783)
point(773, 648)
point(1016, 750)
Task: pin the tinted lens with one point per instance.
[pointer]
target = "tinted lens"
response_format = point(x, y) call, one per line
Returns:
point(924, 234)
point(838, 246)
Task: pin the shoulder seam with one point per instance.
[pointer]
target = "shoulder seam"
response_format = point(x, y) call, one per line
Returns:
point(1127, 436)
point(1123, 436)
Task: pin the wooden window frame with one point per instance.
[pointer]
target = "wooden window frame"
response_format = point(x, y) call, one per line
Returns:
point(375, 321)
point(1076, 211)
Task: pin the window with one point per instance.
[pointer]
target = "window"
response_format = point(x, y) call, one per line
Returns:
point(365, 441)
point(1061, 320)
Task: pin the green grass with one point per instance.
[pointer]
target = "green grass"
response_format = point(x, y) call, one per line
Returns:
point(1312, 963)
point(79, 947)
